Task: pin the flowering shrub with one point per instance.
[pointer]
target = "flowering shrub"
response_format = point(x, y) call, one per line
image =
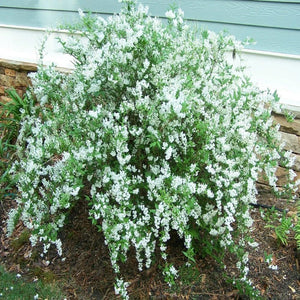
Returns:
point(159, 133)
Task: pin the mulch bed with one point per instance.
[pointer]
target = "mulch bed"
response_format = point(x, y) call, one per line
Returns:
point(86, 273)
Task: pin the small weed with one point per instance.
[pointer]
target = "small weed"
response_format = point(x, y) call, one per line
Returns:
point(21, 240)
point(297, 226)
point(268, 257)
point(48, 277)
point(280, 223)
point(190, 275)
point(290, 117)
point(45, 276)
point(11, 115)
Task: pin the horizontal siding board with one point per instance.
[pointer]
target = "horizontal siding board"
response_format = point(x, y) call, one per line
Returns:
point(255, 13)
point(267, 39)
point(278, 1)
point(35, 18)
point(246, 13)
point(240, 12)
point(111, 4)
point(70, 5)
point(278, 15)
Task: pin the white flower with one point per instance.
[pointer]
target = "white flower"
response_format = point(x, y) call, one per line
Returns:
point(75, 191)
point(180, 12)
point(93, 113)
point(120, 288)
point(214, 232)
point(146, 64)
point(169, 153)
point(170, 14)
point(292, 174)
point(253, 244)
point(173, 271)
point(210, 194)
point(81, 13)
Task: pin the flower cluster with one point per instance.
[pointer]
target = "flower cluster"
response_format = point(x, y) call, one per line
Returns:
point(156, 129)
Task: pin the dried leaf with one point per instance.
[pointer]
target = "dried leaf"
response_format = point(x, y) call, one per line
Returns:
point(292, 289)
point(203, 278)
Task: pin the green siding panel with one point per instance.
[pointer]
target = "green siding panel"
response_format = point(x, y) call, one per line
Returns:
point(255, 13)
point(267, 39)
point(69, 5)
point(252, 13)
point(275, 25)
point(36, 18)
point(278, 1)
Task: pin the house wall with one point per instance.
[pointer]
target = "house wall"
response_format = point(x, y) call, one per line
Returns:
point(275, 25)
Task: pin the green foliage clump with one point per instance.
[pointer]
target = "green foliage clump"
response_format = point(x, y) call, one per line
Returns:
point(11, 114)
point(280, 223)
point(157, 130)
point(297, 226)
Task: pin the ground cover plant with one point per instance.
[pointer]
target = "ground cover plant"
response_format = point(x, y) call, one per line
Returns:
point(158, 133)
point(12, 286)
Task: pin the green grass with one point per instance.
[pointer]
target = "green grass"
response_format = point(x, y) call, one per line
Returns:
point(14, 287)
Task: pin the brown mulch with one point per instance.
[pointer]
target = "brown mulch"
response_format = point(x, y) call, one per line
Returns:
point(86, 273)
